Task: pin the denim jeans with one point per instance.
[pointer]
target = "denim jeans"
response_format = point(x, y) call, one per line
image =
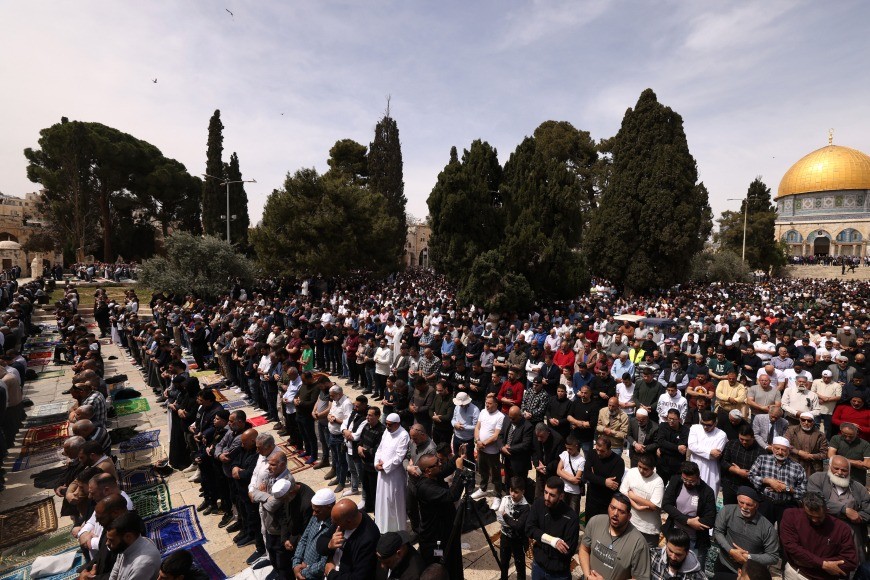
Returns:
point(355, 467)
point(309, 437)
point(339, 457)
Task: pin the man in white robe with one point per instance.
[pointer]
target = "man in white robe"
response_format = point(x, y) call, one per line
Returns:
point(390, 513)
point(706, 442)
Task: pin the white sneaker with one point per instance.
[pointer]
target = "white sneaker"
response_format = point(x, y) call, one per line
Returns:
point(190, 468)
point(495, 504)
point(349, 493)
point(195, 478)
point(361, 505)
point(237, 390)
point(478, 494)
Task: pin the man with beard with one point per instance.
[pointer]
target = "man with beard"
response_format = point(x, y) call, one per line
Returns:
point(390, 509)
point(737, 459)
point(815, 544)
point(829, 392)
point(369, 440)
point(641, 436)
point(799, 399)
point(856, 413)
point(856, 451)
point(437, 513)
point(691, 507)
point(706, 442)
point(744, 535)
point(731, 423)
point(782, 481)
point(675, 560)
point(845, 499)
point(673, 441)
point(613, 424)
point(583, 418)
point(556, 416)
point(809, 446)
point(603, 386)
point(612, 547)
point(766, 427)
point(547, 446)
point(106, 511)
point(603, 474)
point(555, 528)
point(138, 557)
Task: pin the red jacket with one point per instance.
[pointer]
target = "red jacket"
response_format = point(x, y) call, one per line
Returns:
point(860, 417)
point(564, 359)
point(516, 388)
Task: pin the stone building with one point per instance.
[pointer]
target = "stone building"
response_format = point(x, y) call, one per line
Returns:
point(417, 245)
point(823, 203)
point(20, 219)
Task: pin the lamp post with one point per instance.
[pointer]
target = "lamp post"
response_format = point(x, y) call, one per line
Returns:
point(228, 183)
point(745, 216)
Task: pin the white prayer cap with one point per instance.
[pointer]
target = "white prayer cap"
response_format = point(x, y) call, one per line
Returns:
point(736, 413)
point(827, 373)
point(781, 441)
point(281, 487)
point(807, 415)
point(393, 418)
point(641, 412)
point(323, 497)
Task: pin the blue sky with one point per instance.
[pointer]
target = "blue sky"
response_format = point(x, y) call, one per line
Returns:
point(758, 83)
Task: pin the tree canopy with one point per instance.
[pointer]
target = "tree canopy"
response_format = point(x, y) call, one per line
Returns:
point(322, 224)
point(548, 188)
point(201, 265)
point(763, 251)
point(385, 177)
point(466, 213)
point(653, 215)
point(239, 220)
point(214, 202)
point(96, 177)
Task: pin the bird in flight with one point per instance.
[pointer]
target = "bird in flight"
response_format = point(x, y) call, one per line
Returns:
point(154, 81)
point(231, 14)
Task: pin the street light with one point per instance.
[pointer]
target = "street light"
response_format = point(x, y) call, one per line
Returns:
point(745, 215)
point(228, 183)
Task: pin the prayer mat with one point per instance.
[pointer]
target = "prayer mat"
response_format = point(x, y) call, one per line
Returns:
point(49, 410)
point(234, 405)
point(257, 421)
point(39, 459)
point(122, 434)
point(138, 478)
point(142, 441)
point(41, 447)
point(175, 530)
point(26, 522)
point(46, 545)
point(131, 406)
point(36, 435)
point(219, 396)
point(206, 564)
point(213, 381)
point(151, 501)
point(50, 375)
point(39, 355)
point(200, 374)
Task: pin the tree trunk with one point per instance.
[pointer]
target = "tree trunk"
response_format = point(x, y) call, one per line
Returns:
point(106, 222)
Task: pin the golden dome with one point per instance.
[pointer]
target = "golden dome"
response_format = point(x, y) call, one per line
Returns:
point(831, 168)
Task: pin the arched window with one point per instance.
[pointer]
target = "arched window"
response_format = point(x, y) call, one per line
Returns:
point(792, 237)
point(849, 235)
point(7, 237)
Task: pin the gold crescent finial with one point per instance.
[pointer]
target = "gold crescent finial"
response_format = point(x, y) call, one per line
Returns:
point(830, 136)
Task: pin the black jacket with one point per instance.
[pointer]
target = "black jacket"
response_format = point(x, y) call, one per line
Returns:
point(561, 522)
point(669, 442)
point(409, 568)
point(299, 512)
point(521, 445)
point(548, 452)
point(706, 509)
point(358, 557)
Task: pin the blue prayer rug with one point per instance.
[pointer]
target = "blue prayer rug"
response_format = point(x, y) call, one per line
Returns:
point(142, 441)
point(175, 530)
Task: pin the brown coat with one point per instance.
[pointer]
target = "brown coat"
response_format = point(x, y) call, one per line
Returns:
point(813, 442)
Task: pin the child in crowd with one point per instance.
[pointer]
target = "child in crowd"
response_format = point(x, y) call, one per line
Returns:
point(511, 514)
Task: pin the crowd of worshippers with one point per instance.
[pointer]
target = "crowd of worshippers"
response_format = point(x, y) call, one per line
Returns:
point(755, 391)
point(16, 311)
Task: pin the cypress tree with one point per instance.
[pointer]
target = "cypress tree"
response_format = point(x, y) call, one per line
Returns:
point(238, 203)
point(385, 178)
point(762, 249)
point(548, 184)
point(214, 202)
point(653, 216)
point(465, 210)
